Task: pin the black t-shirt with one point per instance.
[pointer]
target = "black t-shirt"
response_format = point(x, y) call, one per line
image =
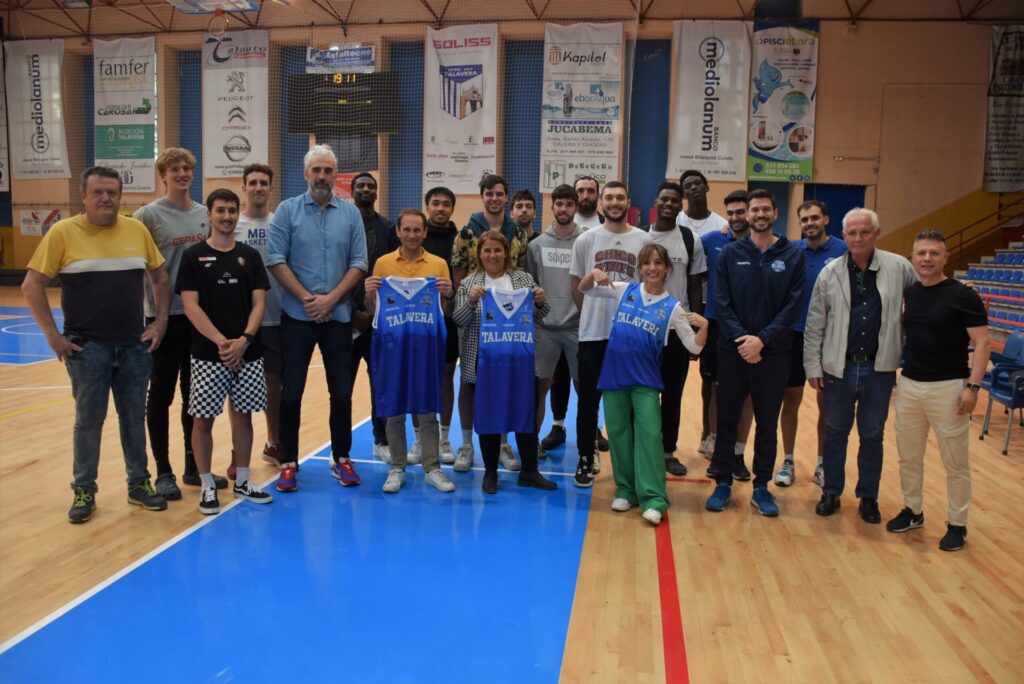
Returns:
point(935, 320)
point(225, 282)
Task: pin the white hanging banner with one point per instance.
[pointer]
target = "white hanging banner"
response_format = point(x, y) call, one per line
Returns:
point(36, 122)
point(460, 120)
point(708, 124)
point(5, 167)
point(235, 102)
point(124, 78)
point(581, 116)
point(1004, 130)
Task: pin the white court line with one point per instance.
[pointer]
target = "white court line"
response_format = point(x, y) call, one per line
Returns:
point(477, 468)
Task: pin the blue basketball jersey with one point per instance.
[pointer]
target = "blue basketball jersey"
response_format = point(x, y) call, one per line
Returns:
point(505, 397)
point(636, 343)
point(407, 352)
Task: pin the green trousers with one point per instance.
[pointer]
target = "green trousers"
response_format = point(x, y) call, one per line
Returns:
point(633, 417)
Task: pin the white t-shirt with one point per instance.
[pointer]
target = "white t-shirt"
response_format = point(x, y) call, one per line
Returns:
point(677, 321)
point(253, 232)
point(682, 265)
point(500, 283)
point(702, 227)
point(585, 223)
point(616, 255)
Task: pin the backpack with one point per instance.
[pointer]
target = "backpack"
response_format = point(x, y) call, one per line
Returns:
point(687, 242)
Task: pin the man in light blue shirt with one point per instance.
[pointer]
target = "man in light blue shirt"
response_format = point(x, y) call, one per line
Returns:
point(317, 253)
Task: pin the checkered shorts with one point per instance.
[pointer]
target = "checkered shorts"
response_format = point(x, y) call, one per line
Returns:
point(212, 382)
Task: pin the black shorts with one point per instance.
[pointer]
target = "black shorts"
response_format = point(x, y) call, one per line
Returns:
point(451, 342)
point(797, 377)
point(270, 344)
point(709, 355)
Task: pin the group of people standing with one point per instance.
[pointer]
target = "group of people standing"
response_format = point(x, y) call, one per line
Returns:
point(235, 300)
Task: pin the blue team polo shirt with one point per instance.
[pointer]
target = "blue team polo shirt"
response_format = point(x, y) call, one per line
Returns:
point(816, 260)
point(713, 243)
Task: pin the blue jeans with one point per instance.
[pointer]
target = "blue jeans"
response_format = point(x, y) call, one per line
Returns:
point(298, 338)
point(95, 371)
point(866, 391)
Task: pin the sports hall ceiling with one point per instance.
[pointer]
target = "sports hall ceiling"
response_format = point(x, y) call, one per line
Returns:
point(86, 18)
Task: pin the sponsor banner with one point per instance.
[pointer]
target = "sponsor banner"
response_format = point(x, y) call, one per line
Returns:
point(5, 168)
point(1004, 132)
point(38, 221)
point(460, 120)
point(784, 69)
point(581, 115)
point(352, 58)
point(38, 147)
point(711, 65)
point(343, 186)
point(124, 78)
point(235, 102)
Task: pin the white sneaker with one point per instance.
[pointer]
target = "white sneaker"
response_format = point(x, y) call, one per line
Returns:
point(439, 481)
point(653, 516)
point(383, 452)
point(819, 475)
point(621, 505)
point(446, 455)
point(396, 478)
point(786, 474)
point(597, 462)
point(707, 446)
point(464, 460)
point(415, 454)
point(507, 457)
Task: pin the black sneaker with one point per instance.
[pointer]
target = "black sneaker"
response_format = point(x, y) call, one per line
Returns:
point(247, 491)
point(601, 443)
point(208, 502)
point(555, 438)
point(490, 483)
point(904, 522)
point(955, 538)
point(144, 495)
point(674, 467)
point(82, 507)
point(739, 471)
point(194, 480)
point(535, 480)
point(584, 476)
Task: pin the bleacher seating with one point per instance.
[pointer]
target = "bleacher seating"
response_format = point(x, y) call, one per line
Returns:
point(999, 279)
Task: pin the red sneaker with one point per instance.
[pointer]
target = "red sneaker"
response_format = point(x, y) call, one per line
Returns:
point(271, 455)
point(232, 469)
point(286, 482)
point(345, 473)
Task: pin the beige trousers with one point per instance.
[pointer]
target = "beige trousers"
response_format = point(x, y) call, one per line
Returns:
point(920, 405)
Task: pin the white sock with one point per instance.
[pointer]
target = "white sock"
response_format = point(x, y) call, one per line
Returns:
point(207, 480)
point(467, 437)
point(444, 432)
point(820, 459)
point(788, 458)
point(504, 440)
point(559, 423)
point(740, 448)
point(416, 434)
point(242, 476)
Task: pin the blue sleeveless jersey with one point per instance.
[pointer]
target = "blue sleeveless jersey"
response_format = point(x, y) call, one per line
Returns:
point(636, 343)
point(504, 400)
point(407, 349)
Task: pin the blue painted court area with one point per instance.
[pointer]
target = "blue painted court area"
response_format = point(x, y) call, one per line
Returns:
point(339, 585)
point(21, 341)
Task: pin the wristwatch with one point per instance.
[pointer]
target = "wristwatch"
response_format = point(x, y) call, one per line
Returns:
point(249, 338)
point(974, 387)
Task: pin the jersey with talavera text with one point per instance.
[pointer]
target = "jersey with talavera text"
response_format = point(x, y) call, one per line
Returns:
point(505, 383)
point(636, 343)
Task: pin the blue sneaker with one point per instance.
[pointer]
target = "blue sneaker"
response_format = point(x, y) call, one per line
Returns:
point(764, 502)
point(719, 498)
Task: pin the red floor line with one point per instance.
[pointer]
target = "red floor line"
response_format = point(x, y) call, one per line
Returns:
point(691, 480)
point(674, 645)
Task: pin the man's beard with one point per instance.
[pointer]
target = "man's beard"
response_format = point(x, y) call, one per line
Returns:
point(587, 208)
point(320, 191)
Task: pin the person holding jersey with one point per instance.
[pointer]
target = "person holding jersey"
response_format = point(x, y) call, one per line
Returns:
point(631, 377)
point(495, 306)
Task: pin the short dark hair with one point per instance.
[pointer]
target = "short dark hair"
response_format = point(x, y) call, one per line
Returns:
point(410, 211)
point(257, 168)
point(362, 174)
point(565, 191)
point(813, 203)
point(102, 172)
point(761, 193)
point(524, 196)
point(576, 183)
point(669, 185)
point(615, 184)
point(932, 234)
point(692, 172)
point(737, 196)
point(490, 180)
point(439, 190)
point(224, 195)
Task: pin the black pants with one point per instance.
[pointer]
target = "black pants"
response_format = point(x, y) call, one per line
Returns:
point(171, 364)
point(765, 382)
point(560, 389)
point(590, 357)
point(361, 350)
point(675, 364)
point(490, 446)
